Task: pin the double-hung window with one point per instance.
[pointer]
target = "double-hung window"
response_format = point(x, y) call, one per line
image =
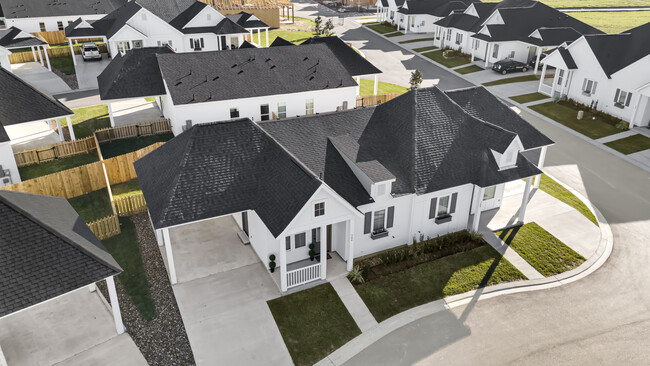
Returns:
point(264, 112)
point(622, 98)
point(319, 209)
point(197, 44)
point(282, 110)
point(376, 223)
point(234, 112)
point(495, 51)
point(489, 193)
point(449, 34)
point(301, 240)
point(137, 43)
point(560, 77)
point(309, 106)
point(42, 26)
point(589, 87)
point(459, 38)
point(59, 25)
point(441, 208)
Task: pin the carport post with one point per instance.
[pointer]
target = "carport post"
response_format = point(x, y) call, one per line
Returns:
point(540, 165)
point(170, 256)
point(70, 128)
point(376, 84)
point(34, 54)
point(539, 55)
point(47, 59)
point(477, 204)
point(115, 305)
point(323, 253)
point(541, 79)
point(40, 55)
point(58, 126)
point(259, 37)
point(267, 37)
point(74, 59)
point(358, 80)
point(524, 200)
point(283, 266)
point(487, 54)
point(110, 114)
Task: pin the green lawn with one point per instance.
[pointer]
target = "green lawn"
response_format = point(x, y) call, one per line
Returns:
point(63, 64)
point(590, 3)
point(469, 69)
point(34, 171)
point(548, 255)
point(126, 251)
point(382, 28)
point(556, 190)
point(614, 22)
point(123, 146)
point(391, 294)
point(92, 206)
point(396, 34)
point(126, 189)
point(517, 79)
point(368, 86)
point(88, 119)
point(313, 323)
point(631, 144)
point(296, 37)
point(424, 49)
point(527, 98)
point(417, 40)
point(567, 115)
point(448, 62)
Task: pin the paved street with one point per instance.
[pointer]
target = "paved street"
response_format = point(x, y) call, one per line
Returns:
point(601, 319)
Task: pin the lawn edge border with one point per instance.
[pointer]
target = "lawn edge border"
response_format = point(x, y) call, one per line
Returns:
point(595, 261)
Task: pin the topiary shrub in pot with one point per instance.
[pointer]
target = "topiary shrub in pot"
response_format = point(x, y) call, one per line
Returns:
point(312, 253)
point(272, 262)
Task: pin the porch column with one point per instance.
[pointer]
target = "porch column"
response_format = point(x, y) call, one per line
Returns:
point(358, 79)
point(406, 26)
point(539, 56)
point(323, 253)
point(557, 72)
point(115, 305)
point(541, 79)
point(487, 54)
point(473, 51)
point(110, 114)
point(267, 37)
point(540, 165)
point(47, 59)
point(58, 126)
point(639, 97)
point(524, 200)
point(376, 84)
point(40, 55)
point(34, 54)
point(74, 59)
point(477, 203)
point(283, 265)
point(259, 37)
point(350, 262)
point(170, 256)
point(70, 129)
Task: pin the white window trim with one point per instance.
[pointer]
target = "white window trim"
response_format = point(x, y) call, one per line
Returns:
point(448, 196)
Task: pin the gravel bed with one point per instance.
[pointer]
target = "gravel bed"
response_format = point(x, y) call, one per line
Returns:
point(71, 80)
point(163, 340)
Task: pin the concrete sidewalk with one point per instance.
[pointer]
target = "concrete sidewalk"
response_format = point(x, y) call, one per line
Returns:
point(354, 304)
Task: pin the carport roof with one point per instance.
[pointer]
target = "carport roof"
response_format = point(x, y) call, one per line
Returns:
point(47, 251)
point(16, 38)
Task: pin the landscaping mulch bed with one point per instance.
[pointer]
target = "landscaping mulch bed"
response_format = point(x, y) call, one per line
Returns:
point(163, 340)
point(71, 80)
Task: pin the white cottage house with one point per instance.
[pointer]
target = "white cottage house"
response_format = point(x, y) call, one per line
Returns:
point(511, 29)
point(350, 182)
point(13, 38)
point(607, 72)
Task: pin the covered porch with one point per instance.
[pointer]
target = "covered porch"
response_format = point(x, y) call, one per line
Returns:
point(641, 111)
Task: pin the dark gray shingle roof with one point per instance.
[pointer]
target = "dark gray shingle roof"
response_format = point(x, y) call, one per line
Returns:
point(222, 168)
point(614, 52)
point(244, 20)
point(351, 60)
point(243, 73)
point(8, 39)
point(47, 251)
point(21, 102)
point(134, 74)
point(279, 41)
point(53, 8)
point(106, 26)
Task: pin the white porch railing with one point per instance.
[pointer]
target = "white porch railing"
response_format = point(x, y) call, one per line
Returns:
point(303, 275)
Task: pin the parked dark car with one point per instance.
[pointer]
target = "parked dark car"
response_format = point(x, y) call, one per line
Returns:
point(506, 66)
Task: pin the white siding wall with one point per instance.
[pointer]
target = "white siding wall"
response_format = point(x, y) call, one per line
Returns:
point(31, 25)
point(4, 59)
point(7, 161)
point(324, 101)
point(505, 50)
point(262, 241)
point(423, 23)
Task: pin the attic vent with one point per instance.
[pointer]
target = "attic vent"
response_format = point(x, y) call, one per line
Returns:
point(233, 66)
point(268, 59)
point(251, 58)
point(178, 83)
point(311, 77)
point(306, 58)
point(272, 67)
point(240, 72)
point(215, 78)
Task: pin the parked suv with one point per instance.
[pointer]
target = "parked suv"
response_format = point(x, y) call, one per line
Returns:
point(506, 66)
point(90, 51)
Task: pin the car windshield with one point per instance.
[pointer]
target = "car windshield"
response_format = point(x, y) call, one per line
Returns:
point(91, 48)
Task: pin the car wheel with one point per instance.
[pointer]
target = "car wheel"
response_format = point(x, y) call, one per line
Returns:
point(504, 72)
point(524, 69)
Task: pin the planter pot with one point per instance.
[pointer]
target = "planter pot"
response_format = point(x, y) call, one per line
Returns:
point(312, 258)
point(273, 270)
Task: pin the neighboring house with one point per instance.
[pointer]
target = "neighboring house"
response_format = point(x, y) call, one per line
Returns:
point(47, 252)
point(271, 12)
point(13, 38)
point(25, 114)
point(608, 72)
point(184, 25)
point(256, 83)
point(419, 16)
point(53, 15)
point(512, 29)
point(387, 10)
point(352, 182)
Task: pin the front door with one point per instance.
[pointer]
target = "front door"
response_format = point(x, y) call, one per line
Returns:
point(244, 221)
point(329, 238)
point(224, 43)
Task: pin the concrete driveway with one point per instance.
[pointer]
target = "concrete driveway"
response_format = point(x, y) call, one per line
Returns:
point(222, 293)
point(40, 77)
point(73, 329)
point(88, 71)
point(137, 110)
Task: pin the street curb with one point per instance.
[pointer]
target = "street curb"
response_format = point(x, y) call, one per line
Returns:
point(600, 256)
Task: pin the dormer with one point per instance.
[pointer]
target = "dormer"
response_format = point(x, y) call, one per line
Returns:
point(494, 19)
point(471, 10)
point(207, 17)
point(536, 34)
point(507, 159)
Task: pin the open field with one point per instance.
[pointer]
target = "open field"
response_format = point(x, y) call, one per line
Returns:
point(614, 22)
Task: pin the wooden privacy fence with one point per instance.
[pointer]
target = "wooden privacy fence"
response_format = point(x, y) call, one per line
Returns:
point(86, 178)
point(376, 99)
point(134, 130)
point(52, 37)
point(28, 56)
point(130, 205)
point(105, 228)
point(56, 151)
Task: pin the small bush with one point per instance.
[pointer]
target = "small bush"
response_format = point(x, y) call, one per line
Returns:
point(356, 275)
point(623, 125)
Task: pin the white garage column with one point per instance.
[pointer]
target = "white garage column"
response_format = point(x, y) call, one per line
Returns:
point(524, 200)
point(259, 37)
point(110, 114)
point(170, 256)
point(74, 59)
point(267, 37)
point(376, 84)
point(70, 128)
point(47, 59)
point(34, 54)
point(283, 266)
point(489, 47)
point(539, 55)
point(350, 262)
point(115, 305)
point(59, 129)
point(540, 165)
point(477, 204)
point(323, 253)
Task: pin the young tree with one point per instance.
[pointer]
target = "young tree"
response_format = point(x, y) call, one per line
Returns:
point(318, 24)
point(416, 80)
point(329, 26)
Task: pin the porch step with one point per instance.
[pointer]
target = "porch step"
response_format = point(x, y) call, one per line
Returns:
point(243, 237)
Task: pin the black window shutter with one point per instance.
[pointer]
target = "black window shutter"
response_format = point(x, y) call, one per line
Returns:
point(432, 208)
point(191, 43)
point(584, 85)
point(287, 241)
point(629, 99)
point(391, 215)
point(593, 88)
point(202, 44)
point(452, 208)
point(618, 92)
point(367, 222)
